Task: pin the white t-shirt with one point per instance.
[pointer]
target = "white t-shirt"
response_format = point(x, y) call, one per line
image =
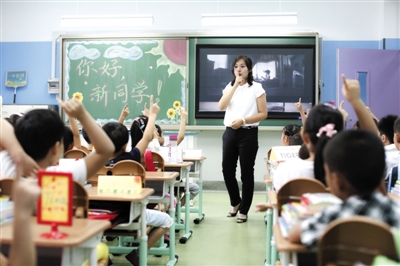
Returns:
point(292, 169)
point(243, 102)
point(154, 145)
point(77, 168)
point(392, 157)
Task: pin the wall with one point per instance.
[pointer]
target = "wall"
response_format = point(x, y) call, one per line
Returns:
point(26, 39)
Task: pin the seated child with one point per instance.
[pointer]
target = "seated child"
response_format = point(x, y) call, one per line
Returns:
point(158, 141)
point(40, 132)
point(118, 133)
point(353, 173)
point(288, 132)
point(385, 126)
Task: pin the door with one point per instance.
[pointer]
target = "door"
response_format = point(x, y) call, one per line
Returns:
point(378, 72)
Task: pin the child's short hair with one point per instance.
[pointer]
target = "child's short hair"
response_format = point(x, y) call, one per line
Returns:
point(38, 130)
point(68, 138)
point(291, 129)
point(295, 139)
point(385, 126)
point(118, 134)
point(14, 118)
point(359, 156)
point(396, 127)
point(137, 128)
point(85, 136)
point(303, 152)
point(159, 131)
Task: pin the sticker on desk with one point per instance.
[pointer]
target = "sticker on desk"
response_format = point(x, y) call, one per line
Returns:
point(55, 202)
point(119, 185)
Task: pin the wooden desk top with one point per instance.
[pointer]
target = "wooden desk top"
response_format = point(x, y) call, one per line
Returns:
point(178, 165)
point(283, 245)
point(161, 175)
point(202, 158)
point(146, 192)
point(80, 231)
point(272, 198)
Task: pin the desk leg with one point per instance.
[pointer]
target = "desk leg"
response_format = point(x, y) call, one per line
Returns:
point(200, 216)
point(79, 254)
point(143, 235)
point(269, 238)
point(188, 233)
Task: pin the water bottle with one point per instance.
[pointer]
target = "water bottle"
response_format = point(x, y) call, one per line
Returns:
point(173, 149)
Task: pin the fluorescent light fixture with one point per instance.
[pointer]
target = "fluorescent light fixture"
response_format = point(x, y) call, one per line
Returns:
point(104, 21)
point(249, 19)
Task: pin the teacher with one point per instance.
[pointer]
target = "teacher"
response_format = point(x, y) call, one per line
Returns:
point(245, 103)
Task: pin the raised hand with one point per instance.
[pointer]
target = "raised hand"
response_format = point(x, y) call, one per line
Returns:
point(299, 106)
point(154, 108)
point(146, 111)
point(343, 111)
point(73, 108)
point(125, 110)
point(350, 89)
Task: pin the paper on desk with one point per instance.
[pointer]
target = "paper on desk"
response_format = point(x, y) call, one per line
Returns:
point(119, 185)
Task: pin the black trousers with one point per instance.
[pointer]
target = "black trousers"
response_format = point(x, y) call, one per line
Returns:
point(243, 144)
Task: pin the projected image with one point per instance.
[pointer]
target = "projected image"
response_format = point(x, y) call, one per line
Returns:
point(285, 73)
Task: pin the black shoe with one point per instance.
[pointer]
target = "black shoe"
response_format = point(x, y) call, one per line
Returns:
point(233, 214)
point(133, 257)
point(241, 220)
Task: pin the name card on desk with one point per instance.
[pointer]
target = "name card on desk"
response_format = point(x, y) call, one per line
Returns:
point(55, 203)
point(119, 185)
point(282, 153)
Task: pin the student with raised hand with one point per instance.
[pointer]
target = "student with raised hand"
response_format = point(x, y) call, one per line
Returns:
point(299, 107)
point(22, 249)
point(354, 163)
point(118, 133)
point(13, 153)
point(40, 133)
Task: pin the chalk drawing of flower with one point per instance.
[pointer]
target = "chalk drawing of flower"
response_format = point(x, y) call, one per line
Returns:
point(171, 113)
point(78, 96)
point(177, 104)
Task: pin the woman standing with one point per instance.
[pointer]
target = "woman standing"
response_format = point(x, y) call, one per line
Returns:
point(245, 103)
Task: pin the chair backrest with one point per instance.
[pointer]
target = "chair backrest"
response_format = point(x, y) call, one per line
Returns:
point(292, 190)
point(80, 200)
point(75, 154)
point(158, 161)
point(355, 239)
point(83, 148)
point(127, 167)
point(6, 186)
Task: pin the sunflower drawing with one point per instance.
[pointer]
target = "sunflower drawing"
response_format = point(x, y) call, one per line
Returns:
point(78, 96)
point(177, 104)
point(171, 113)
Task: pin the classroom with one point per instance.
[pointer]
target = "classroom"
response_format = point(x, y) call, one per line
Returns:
point(30, 41)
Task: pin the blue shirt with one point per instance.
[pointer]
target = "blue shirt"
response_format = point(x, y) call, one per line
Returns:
point(134, 154)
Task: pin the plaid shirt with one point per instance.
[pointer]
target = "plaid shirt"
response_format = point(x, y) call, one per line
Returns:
point(377, 206)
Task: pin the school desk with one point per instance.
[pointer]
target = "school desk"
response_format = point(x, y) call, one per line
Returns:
point(81, 243)
point(184, 168)
point(138, 207)
point(196, 173)
point(288, 250)
point(169, 179)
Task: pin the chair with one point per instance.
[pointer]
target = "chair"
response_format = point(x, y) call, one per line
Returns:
point(75, 154)
point(158, 161)
point(357, 239)
point(6, 186)
point(128, 167)
point(80, 201)
point(292, 190)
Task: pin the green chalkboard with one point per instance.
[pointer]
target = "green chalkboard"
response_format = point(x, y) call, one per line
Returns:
point(109, 73)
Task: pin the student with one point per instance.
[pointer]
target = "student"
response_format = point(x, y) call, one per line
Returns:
point(40, 133)
point(68, 139)
point(24, 195)
point(386, 132)
point(118, 133)
point(322, 123)
point(288, 132)
point(353, 173)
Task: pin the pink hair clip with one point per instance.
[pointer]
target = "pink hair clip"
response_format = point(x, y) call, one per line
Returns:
point(329, 129)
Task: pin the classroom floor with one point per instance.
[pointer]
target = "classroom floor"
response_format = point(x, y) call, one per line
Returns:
point(217, 240)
